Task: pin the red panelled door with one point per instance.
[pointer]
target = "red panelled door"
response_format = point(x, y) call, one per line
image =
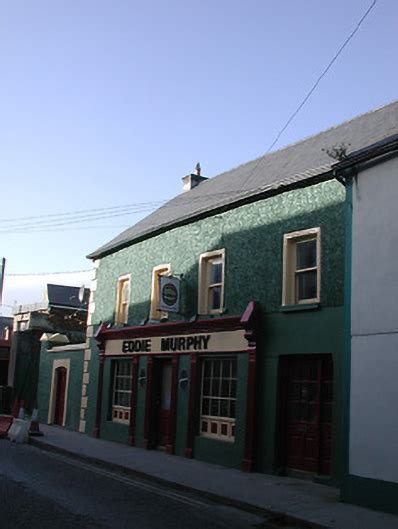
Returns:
point(60, 380)
point(164, 404)
point(308, 394)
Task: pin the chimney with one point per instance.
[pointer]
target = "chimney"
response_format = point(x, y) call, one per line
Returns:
point(192, 180)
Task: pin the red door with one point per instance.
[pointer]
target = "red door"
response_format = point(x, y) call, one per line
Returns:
point(164, 400)
point(308, 394)
point(60, 380)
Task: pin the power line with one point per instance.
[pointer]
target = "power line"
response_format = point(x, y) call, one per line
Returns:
point(313, 88)
point(49, 273)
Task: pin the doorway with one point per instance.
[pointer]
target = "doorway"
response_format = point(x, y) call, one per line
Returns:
point(162, 403)
point(60, 393)
point(306, 384)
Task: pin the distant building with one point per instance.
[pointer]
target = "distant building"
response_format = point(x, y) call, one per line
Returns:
point(61, 317)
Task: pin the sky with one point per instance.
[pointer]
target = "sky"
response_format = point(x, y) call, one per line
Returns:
point(110, 103)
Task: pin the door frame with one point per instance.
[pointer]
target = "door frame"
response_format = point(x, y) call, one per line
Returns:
point(53, 392)
point(281, 438)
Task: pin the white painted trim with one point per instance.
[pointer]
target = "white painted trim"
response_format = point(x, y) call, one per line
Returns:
point(203, 291)
point(66, 348)
point(64, 362)
point(154, 313)
point(288, 276)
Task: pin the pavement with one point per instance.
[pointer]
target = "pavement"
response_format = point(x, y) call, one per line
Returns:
point(284, 498)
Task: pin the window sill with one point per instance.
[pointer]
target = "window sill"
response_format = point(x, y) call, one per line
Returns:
point(299, 307)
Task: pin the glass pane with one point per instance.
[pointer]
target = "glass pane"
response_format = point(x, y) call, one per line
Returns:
point(305, 254)
point(224, 408)
point(216, 368)
point(225, 388)
point(233, 388)
point(205, 407)
point(206, 386)
point(232, 409)
point(306, 285)
point(226, 368)
point(215, 298)
point(215, 272)
point(214, 408)
point(207, 369)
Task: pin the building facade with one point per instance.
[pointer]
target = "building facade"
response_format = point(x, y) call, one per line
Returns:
point(371, 362)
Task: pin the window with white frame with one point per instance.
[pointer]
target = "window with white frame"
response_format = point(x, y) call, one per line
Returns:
point(121, 391)
point(157, 273)
point(301, 267)
point(211, 282)
point(218, 399)
point(122, 299)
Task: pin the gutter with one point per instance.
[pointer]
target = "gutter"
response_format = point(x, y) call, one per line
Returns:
point(282, 188)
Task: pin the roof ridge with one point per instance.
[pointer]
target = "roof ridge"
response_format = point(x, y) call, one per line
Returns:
point(333, 127)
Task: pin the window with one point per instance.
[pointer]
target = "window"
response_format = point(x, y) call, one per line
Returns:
point(122, 299)
point(211, 282)
point(157, 272)
point(121, 391)
point(301, 267)
point(218, 399)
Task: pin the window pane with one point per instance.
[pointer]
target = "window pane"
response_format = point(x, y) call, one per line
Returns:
point(305, 254)
point(306, 285)
point(215, 272)
point(215, 298)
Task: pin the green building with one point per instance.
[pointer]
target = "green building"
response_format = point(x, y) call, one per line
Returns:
point(215, 326)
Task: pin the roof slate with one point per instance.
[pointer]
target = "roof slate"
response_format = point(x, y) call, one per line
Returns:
point(299, 163)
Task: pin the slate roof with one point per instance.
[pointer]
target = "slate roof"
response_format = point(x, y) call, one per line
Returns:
point(301, 163)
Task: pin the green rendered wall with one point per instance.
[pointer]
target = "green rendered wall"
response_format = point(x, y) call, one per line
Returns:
point(47, 358)
point(253, 238)
point(26, 345)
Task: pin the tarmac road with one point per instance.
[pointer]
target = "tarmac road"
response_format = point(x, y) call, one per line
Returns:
point(42, 490)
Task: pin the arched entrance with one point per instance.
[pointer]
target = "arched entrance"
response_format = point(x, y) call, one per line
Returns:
point(60, 393)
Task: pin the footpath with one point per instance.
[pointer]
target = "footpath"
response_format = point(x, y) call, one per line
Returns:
point(313, 504)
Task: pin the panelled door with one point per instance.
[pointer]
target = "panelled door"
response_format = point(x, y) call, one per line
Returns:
point(164, 402)
point(60, 374)
point(307, 393)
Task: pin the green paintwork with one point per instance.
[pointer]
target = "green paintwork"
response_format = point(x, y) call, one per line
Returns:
point(253, 238)
point(47, 358)
point(346, 378)
point(371, 493)
point(27, 346)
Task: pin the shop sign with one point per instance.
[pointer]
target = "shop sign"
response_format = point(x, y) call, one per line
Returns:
point(211, 342)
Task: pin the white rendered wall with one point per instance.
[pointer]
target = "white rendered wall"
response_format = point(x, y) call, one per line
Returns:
point(374, 324)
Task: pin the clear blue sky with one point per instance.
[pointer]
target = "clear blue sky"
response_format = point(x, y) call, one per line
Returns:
point(106, 103)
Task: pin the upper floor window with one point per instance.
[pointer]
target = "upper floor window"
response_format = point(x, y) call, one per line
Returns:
point(211, 282)
point(302, 267)
point(157, 272)
point(122, 299)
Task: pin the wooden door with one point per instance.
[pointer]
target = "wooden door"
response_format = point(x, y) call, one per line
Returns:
point(60, 381)
point(164, 400)
point(307, 382)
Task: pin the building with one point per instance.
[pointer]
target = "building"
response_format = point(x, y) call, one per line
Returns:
point(371, 360)
point(216, 323)
point(61, 318)
point(5, 346)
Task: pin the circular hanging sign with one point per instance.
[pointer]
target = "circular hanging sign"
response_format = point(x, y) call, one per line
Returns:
point(169, 294)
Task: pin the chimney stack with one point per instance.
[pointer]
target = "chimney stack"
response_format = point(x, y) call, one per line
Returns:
point(192, 180)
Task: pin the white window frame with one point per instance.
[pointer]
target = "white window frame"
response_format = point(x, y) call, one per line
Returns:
point(219, 422)
point(205, 286)
point(157, 272)
point(120, 414)
point(290, 272)
point(119, 288)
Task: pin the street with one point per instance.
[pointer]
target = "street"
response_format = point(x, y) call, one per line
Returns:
point(45, 490)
